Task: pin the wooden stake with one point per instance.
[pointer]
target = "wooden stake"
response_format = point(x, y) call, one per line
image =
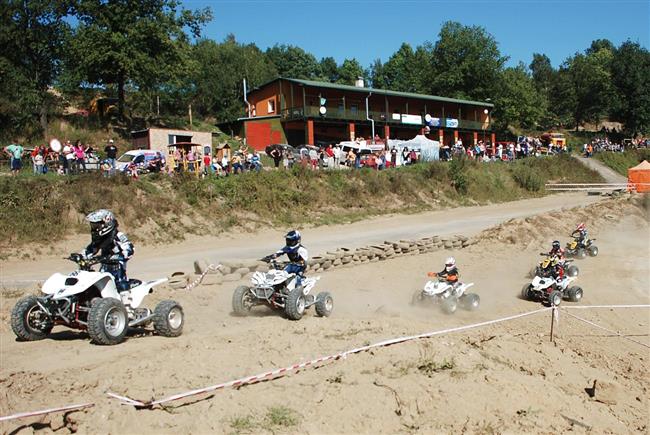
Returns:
point(552, 320)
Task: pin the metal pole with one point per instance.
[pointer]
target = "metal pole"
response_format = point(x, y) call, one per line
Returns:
point(552, 321)
point(372, 121)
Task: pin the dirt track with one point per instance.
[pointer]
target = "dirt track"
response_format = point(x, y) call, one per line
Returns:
point(152, 262)
point(503, 378)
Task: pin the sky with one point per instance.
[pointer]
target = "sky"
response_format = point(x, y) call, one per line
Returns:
point(369, 30)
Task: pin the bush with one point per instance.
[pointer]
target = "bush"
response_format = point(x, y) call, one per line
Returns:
point(528, 178)
point(458, 174)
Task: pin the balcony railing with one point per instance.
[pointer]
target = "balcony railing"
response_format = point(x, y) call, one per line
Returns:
point(297, 113)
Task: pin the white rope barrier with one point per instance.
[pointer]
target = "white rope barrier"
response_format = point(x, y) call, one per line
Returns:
point(198, 280)
point(608, 330)
point(584, 307)
point(273, 374)
point(46, 411)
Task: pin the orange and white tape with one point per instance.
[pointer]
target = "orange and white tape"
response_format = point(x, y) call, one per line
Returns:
point(46, 411)
point(198, 280)
point(273, 374)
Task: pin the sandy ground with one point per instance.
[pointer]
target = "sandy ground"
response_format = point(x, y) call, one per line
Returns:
point(152, 262)
point(610, 175)
point(506, 378)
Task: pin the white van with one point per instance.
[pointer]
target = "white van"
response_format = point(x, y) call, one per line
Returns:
point(140, 158)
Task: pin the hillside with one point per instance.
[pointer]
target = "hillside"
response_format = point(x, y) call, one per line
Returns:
point(157, 209)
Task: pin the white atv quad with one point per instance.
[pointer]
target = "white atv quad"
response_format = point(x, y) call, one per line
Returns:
point(545, 288)
point(279, 290)
point(440, 292)
point(89, 300)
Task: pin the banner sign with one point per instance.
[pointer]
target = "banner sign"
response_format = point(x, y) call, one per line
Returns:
point(451, 123)
point(412, 119)
point(435, 122)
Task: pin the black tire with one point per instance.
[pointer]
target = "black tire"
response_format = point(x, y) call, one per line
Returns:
point(592, 250)
point(108, 322)
point(417, 298)
point(168, 318)
point(242, 301)
point(294, 306)
point(581, 254)
point(533, 272)
point(324, 304)
point(24, 325)
point(572, 271)
point(575, 294)
point(470, 301)
point(525, 292)
point(449, 305)
point(555, 298)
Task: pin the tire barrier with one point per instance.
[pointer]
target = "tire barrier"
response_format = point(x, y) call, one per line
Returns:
point(236, 270)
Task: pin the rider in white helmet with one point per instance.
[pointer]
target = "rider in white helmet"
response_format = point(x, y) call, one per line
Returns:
point(450, 272)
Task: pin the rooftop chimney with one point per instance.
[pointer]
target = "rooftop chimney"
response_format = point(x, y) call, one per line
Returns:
point(359, 82)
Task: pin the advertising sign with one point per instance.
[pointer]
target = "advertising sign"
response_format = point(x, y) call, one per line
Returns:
point(451, 123)
point(412, 119)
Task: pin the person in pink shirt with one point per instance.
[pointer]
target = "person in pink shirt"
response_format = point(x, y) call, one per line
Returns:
point(80, 156)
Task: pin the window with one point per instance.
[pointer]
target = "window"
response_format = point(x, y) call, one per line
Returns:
point(354, 108)
point(271, 106)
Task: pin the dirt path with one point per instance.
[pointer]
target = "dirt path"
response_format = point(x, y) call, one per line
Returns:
point(156, 261)
point(503, 379)
point(608, 174)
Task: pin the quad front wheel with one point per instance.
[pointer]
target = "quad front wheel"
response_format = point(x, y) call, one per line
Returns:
point(28, 320)
point(168, 319)
point(581, 254)
point(593, 250)
point(242, 300)
point(417, 298)
point(294, 306)
point(107, 322)
point(525, 292)
point(324, 304)
point(575, 294)
point(449, 305)
point(573, 271)
point(470, 301)
point(555, 298)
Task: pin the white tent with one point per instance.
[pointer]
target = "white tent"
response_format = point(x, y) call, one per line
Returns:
point(429, 149)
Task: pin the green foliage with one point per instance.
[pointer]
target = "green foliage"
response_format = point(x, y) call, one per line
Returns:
point(466, 62)
point(281, 416)
point(621, 162)
point(528, 178)
point(293, 62)
point(458, 175)
point(631, 78)
point(349, 70)
point(517, 101)
point(123, 43)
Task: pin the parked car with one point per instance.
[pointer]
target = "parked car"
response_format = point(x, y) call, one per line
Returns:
point(143, 159)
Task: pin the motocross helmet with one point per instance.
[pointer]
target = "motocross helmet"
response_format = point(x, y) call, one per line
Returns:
point(292, 239)
point(102, 223)
point(581, 227)
point(450, 263)
point(556, 245)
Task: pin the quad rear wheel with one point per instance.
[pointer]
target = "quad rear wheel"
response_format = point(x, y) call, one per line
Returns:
point(575, 294)
point(28, 320)
point(470, 301)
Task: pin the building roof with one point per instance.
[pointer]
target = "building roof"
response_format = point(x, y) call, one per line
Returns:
point(365, 90)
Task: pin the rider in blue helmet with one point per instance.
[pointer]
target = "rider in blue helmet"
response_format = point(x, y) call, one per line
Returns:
point(297, 254)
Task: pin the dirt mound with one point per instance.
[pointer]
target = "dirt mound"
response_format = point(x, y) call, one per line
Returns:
point(543, 228)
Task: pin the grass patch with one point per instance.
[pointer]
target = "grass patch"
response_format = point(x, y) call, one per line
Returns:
point(243, 424)
point(158, 208)
point(281, 416)
point(621, 162)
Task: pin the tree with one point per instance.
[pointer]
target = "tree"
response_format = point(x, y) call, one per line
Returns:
point(217, 80)
point(542, 72)
point(329, 70)
point(631, 79)
point(517, 102)
point(466, 62)
point(349, 71)
point(377, 75)
point(294, 62)
point(118, 42)
point(403, 70)
point(32, 37)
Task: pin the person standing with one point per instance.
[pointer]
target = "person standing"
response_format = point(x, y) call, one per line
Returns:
point(111, 155)
point(276, 155)
point(330, 156)
point(15, 152)
point(80, 156)
point(337, 156)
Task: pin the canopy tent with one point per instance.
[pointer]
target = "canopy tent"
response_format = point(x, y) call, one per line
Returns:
point(640, 174)
point(429, 149)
